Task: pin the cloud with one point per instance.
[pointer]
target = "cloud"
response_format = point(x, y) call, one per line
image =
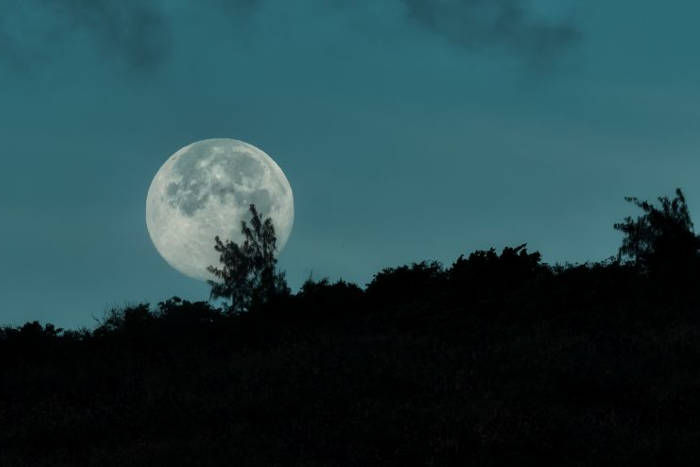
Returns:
point(132, 31)
point(515, 25)
point(137, 33)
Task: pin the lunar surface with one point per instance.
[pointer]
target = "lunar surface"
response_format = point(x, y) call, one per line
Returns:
point(205, 190)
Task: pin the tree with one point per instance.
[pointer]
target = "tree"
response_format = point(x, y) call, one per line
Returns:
point(485, 273)
point(406, 284)
point(661, 242)
point(248, 276)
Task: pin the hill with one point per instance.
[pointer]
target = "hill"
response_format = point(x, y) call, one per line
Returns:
point(497, 359)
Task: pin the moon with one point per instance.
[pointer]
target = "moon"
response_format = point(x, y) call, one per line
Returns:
point(204, 190)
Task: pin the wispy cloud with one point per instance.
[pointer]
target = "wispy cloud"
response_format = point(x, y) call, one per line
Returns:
point(137, 33)
point(511, 24)
point(133, 31)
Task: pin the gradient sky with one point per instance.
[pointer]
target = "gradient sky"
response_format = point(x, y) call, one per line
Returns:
point(408, 129)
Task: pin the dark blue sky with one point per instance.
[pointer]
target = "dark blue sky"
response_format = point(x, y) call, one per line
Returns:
point(408, 129)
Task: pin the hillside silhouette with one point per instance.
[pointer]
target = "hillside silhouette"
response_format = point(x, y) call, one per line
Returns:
point(495, 359)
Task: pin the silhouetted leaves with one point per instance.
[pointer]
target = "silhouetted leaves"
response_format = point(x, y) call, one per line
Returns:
point(661, 242)
point(248, 275)
point(406, 283)
point(485, 273)
point(497, 360)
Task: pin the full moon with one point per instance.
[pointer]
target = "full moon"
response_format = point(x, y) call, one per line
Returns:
point(204, 190)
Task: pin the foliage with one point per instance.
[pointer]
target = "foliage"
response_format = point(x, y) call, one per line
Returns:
point(588, 368)
point(486, 273)
point(248, 275)
point(661, 242)
point(497, 360)
point(405, 283)
point(324, 297)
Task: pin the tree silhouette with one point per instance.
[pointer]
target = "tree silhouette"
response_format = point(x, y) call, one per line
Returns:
point(404, 284)
point(661, 242)
point(248, 276)
point(486, 273)
point(442, 361)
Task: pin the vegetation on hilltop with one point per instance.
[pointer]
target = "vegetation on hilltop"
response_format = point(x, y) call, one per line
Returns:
point(496, 359)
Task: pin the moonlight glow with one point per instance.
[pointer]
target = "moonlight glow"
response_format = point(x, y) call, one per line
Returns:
point(204, 190)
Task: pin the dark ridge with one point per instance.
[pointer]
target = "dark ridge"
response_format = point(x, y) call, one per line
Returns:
point(496, 359)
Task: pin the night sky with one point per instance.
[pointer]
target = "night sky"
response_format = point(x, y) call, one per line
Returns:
point(408, 129)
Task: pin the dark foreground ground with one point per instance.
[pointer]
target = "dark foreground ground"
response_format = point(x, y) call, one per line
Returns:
point(498, 362)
